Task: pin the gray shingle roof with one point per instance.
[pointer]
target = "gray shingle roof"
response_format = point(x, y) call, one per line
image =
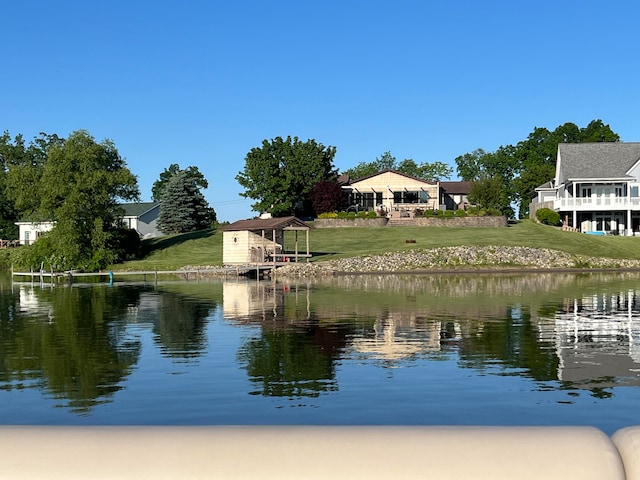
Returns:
point(597, 160)
point(137, 209)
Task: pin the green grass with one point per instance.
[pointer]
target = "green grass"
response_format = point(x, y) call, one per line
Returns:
point(205, 248)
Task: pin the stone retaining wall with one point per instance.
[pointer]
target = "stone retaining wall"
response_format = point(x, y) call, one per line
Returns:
point(345, 222)
point(461, 222)
point(410, 222)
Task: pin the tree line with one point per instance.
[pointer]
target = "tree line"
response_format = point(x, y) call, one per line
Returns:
point(289, 176)
point(79, 184)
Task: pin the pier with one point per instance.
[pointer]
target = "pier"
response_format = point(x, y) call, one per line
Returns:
point(42, 276)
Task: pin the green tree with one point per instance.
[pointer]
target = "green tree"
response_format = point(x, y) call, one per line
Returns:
point(184, 208)
point(193, 174)
point(24, 166)
point(490, 194)
point(279, 175)
point(531, 162)
point(426, 171)
point(81, 184)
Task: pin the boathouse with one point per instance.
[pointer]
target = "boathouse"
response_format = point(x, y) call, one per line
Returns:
point(262, 241)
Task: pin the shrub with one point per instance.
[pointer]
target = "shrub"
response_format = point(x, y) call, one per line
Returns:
point(547, 216)
point(372, 214)
point(361, 214)
point(328, 215)
point(342, 214)
point(351, 215)
point(460, 213)
point(448, 214)
point(440, 213)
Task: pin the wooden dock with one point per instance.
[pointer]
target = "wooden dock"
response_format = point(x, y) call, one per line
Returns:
point(43, 276)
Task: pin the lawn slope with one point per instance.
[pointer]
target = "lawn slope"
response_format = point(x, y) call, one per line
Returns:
point(205, 248)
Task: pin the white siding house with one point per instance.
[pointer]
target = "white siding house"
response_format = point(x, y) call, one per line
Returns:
point(29, 232)
point(596, 188)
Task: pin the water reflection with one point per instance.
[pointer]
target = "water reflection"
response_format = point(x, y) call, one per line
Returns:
point(562, 332)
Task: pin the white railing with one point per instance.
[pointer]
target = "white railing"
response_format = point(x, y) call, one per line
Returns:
point(598, 203)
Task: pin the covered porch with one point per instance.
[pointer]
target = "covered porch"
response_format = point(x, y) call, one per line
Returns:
point(267, 241)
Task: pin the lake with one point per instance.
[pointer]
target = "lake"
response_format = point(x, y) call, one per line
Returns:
point(483, 349)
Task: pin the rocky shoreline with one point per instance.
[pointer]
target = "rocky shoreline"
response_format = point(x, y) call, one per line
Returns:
point(456, 259)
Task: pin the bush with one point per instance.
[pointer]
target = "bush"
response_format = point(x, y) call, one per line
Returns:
point(342, 214)
point(448, 214)
point(428, 213)
point(372, 214)
point(440, 213)
point(351, 215)
point(460, 213)
point(328, 215)
point(547, 216)
point(361, 214)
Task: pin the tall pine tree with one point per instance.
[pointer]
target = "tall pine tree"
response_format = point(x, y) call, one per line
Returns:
point(184, 208)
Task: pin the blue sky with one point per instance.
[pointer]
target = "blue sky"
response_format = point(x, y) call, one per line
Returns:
point(202, 82)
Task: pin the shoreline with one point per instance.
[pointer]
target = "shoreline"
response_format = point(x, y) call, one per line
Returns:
point(460, 260)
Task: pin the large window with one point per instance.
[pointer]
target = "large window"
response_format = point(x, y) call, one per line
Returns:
point(411, 197)
point(367, 200)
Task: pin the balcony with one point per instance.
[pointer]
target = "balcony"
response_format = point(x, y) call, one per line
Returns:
point(595, 203)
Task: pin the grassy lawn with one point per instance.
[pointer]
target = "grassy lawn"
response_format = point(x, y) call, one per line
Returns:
point(205, 248)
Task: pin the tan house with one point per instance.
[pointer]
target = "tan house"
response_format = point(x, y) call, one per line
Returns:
point(393, 191)
point(262, 241)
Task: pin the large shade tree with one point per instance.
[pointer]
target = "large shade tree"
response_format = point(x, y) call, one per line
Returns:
point(279, 175)
point(528, 164)
point(80, 185)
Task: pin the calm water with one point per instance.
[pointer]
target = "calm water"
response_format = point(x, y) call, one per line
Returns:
point(534, 349)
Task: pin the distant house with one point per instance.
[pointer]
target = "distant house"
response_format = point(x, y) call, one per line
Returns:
point(261, 240)
point(596, 187)
point(30, 231)
point(393, 191)
point(455, 195)
point(141, 217)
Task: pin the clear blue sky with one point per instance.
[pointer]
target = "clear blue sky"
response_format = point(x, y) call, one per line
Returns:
point(202, 82)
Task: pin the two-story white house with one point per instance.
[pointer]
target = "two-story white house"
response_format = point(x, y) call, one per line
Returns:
point(596, 188)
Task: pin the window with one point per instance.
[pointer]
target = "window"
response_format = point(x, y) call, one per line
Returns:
point(411, 197)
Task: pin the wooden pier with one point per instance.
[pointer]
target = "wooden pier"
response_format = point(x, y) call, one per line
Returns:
point(43, 276)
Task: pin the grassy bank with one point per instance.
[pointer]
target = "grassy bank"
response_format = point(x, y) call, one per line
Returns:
point(205, 248)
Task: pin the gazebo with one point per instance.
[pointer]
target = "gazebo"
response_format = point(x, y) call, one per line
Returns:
point(261, 241)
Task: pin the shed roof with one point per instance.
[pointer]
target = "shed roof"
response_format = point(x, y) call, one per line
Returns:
point(257, 224)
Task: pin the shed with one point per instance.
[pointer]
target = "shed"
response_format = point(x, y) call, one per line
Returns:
point(262, 241)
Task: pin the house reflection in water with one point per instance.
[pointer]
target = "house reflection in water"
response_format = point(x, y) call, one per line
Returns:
point(597, 341)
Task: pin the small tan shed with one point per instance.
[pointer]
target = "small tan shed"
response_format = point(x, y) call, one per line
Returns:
point(261, 241)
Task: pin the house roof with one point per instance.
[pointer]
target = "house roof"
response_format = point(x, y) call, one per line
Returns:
point(597, 160)
point(389, 170)
point(257, 224)
point(138, 209)
point(545, 186)
point(457, 188)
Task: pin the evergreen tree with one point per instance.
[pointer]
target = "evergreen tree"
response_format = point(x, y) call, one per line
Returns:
point(184, 208)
